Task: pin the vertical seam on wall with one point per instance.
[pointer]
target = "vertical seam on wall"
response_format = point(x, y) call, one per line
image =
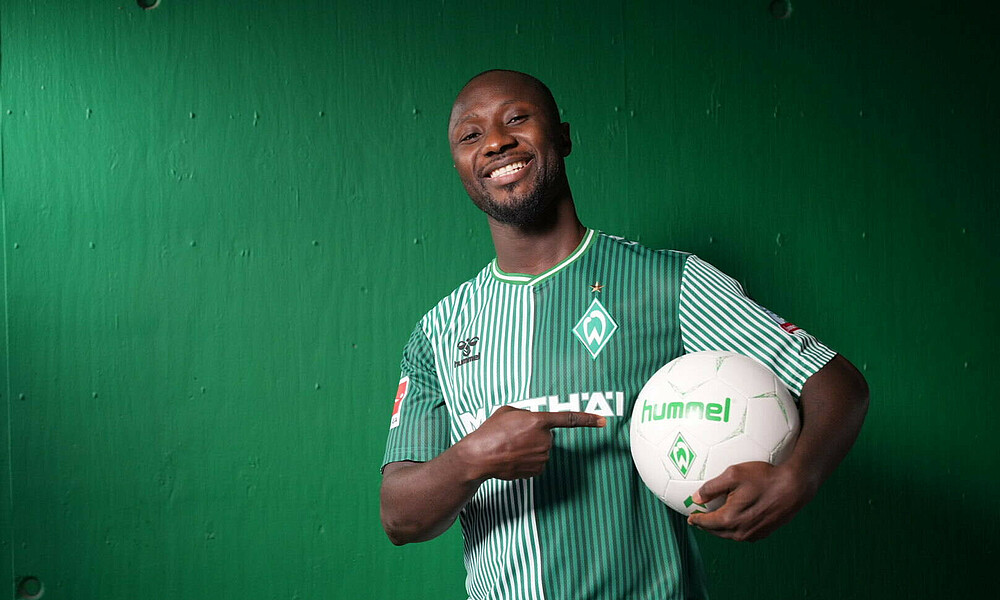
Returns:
point(9, 534)
point(625, 98)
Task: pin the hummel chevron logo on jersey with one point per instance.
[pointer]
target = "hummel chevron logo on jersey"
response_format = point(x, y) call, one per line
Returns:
point(595, 328)
point(466, 347)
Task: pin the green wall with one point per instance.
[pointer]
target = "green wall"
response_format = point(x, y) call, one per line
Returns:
point(221, 220)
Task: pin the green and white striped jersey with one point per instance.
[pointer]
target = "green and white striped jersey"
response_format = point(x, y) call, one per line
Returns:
point(585, 335)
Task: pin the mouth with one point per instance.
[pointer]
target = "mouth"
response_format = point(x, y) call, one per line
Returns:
point(509, 172)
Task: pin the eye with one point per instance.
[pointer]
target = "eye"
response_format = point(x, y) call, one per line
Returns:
point(469, 137)
point(517, 119)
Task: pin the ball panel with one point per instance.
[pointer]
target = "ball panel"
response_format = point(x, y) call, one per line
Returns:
point(646, 456)
point(731, 452)
point(689, 371)
point(784, 449)
point(767, 420)
point(788, 403)
point(746, 373)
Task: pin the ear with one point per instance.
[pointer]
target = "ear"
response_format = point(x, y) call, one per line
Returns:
point(565, 141)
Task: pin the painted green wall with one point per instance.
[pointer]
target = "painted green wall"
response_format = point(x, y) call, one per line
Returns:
point(221, 219)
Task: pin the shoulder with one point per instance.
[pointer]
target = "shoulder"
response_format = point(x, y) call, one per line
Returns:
point(440, 318)
point(624, 249)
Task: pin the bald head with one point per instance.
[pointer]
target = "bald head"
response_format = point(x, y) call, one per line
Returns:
point(525, 84)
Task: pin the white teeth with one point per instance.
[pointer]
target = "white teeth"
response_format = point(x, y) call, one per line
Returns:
point(515, 166)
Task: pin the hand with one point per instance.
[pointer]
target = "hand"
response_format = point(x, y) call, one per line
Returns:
point(515, 443)
point(759, 499)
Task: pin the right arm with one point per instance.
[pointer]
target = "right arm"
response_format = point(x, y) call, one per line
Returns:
point(420, 500)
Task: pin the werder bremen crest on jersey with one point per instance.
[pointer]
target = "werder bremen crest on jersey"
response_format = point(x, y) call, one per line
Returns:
point(595, 328)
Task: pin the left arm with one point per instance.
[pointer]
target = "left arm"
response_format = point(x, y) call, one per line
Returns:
point(761, 497)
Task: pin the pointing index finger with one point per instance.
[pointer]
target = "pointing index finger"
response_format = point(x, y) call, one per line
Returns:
point(572, 419)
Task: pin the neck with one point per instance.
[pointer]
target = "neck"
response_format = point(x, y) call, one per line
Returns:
point(534, 250)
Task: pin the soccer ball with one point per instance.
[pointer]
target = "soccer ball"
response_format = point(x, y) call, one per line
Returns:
point(703, 412)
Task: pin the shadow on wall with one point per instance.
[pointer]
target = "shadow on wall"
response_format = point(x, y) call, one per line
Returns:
point(905, 535)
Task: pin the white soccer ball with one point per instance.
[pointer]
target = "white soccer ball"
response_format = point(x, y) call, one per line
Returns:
point(703, 412)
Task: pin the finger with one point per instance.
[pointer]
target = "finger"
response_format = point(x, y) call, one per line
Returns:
point(571, 419)
point(712, 522)
point(723, 484)
point(726, 519)
point(741, 527)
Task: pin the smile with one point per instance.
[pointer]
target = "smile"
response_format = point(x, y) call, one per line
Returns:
point(513, 167)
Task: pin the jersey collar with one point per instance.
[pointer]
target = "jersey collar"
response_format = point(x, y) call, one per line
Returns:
point(525, 279)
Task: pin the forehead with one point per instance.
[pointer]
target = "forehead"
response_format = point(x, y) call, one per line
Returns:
point(493, 91)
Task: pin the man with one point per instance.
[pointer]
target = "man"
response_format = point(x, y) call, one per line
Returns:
point(512, 413)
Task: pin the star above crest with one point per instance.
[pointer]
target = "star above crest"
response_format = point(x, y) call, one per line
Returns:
point(596, 287)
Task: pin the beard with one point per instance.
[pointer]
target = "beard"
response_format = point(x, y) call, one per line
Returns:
point(519, 211)
point(533, 209)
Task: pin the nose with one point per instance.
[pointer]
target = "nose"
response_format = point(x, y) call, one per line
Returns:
point(498, 140)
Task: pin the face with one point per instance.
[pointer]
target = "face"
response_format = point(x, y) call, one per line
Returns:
point(508, 147)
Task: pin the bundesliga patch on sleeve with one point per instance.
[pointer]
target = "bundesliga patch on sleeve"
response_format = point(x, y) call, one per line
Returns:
point(788, 327)
point(404, 386)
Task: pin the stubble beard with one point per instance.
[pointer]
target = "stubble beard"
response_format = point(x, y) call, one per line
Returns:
point(531, 210)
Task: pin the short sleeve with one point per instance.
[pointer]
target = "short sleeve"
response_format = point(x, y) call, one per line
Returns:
point(716, 314)
point(418, 427)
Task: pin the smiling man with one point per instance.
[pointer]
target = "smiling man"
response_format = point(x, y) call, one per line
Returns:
point(512, 410)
